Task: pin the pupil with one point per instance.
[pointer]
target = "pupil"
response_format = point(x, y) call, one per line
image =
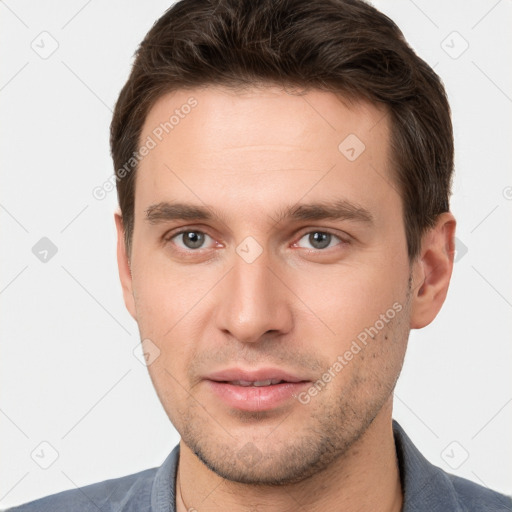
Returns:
point(320, 240)
point(193, 239)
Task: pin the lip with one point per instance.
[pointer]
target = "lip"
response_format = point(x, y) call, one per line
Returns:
point(255, 398)
point(232, 374)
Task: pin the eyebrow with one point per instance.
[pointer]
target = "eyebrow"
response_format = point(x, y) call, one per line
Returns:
point(165, 211)
point(337, 210)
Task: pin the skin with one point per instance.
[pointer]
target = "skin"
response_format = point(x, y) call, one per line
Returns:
point(247, 156)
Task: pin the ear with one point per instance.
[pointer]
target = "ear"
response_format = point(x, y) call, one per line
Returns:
point(432, 271)
point(123, 264)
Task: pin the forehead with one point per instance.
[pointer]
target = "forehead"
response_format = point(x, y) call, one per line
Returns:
point(261, 143)
point(262, 114)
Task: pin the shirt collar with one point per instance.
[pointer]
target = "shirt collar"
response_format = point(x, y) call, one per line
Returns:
point(163, 493)
point(425, 487)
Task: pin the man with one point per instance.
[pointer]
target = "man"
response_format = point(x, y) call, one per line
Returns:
point(283, 173)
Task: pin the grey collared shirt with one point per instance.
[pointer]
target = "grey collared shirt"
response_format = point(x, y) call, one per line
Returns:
point(426, 488)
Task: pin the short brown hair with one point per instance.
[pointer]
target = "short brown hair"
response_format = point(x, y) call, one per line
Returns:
point(342, 46)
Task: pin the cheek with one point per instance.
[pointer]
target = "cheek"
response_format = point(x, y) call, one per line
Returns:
point(370, 361)
point(166, 293)
point(172, 394)
point(173, 306)
point(347, 299)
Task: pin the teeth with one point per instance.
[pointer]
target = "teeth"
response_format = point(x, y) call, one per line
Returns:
point(242, 383)
point(262, 383)
point(258, 383)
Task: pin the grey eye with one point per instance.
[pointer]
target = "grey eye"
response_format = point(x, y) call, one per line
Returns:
point(192, 239)
point(319, 240)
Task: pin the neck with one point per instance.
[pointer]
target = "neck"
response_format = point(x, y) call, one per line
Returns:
point(365, 478)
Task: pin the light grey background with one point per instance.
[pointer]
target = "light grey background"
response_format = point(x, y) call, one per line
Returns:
point(69, 376)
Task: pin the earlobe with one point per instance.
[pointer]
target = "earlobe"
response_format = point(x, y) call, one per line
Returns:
point(123, 264)
point(432, 271)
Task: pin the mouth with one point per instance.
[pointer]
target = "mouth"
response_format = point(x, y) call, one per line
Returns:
point(259, 390)
point(258, 383)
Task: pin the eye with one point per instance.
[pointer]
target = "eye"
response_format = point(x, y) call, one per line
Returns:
point(191, 239)
point(319, 240)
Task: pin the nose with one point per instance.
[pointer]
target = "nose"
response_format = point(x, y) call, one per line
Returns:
point(253, 304)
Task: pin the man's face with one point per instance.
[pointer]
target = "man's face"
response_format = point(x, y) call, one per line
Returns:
point(294, 244)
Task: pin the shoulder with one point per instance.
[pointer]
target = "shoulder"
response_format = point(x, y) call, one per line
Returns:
point(146, 491)
point(477, 498)
point(428, 488)
point(128, 493)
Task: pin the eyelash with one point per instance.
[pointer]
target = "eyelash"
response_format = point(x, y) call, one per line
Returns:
point(342, 241)
point(168, 238)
